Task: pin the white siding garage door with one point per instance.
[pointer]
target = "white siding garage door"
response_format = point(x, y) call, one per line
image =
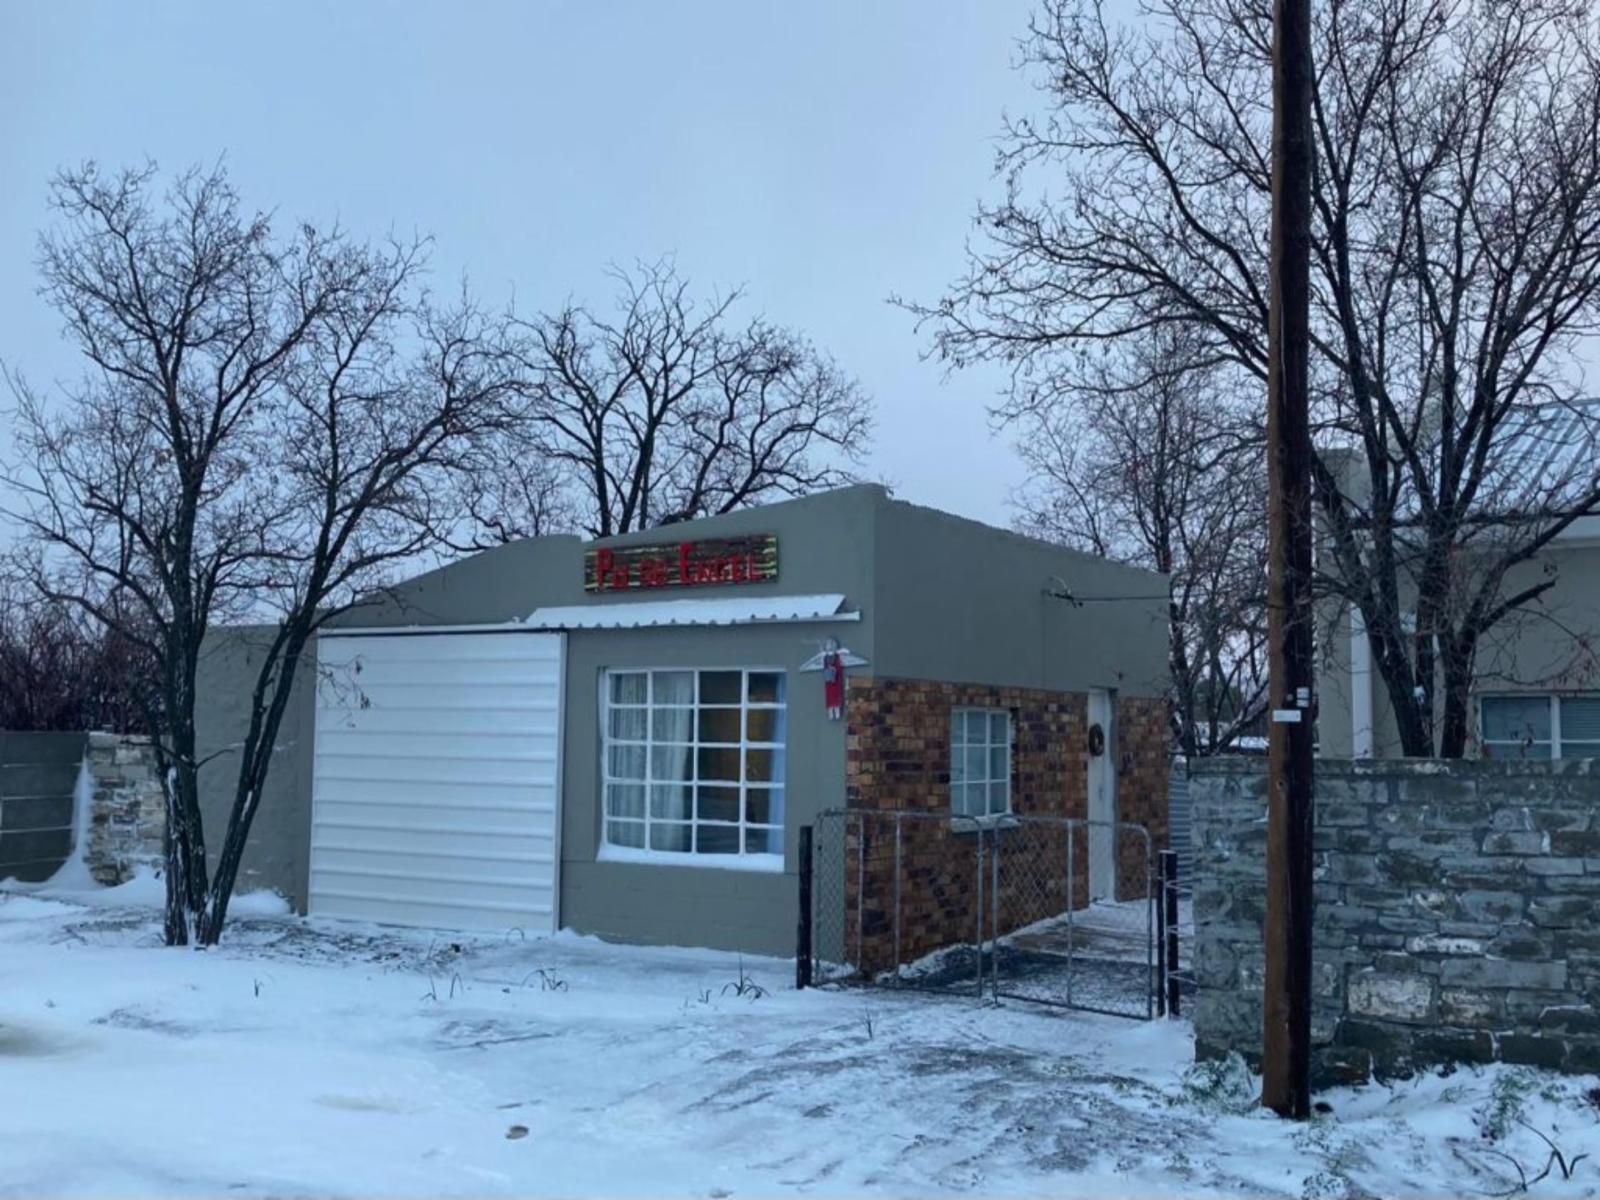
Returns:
point(437, 780)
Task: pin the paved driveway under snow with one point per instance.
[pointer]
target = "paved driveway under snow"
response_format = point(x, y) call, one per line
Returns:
point(305, 1059)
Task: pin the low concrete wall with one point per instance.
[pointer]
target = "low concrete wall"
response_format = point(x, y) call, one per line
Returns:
point(1455, 914)
point(38, 780)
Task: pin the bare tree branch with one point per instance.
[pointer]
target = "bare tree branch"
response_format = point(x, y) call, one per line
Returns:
point(267, 428)
point(1456, 265)
point(666, 412)
point(1148, 459)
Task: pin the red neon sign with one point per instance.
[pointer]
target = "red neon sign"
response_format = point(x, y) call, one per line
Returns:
point(708, 562)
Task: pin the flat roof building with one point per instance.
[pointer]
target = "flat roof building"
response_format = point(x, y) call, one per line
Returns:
point(623, 737)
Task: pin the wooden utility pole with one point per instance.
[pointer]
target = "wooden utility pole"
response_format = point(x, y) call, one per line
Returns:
point(1286, 1031)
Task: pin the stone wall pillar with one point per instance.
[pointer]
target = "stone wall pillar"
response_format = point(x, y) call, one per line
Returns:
point(127, 808)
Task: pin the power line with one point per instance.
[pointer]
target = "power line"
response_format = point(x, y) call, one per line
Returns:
point(1062, 592)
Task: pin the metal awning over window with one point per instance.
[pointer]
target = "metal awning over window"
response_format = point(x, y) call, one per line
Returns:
point(729, 610)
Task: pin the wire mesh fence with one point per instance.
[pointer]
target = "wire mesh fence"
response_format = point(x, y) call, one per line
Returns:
point(898, 899)
point(1054, 910)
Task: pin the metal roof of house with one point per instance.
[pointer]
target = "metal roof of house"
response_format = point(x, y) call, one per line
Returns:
point(1545, 462)
point(730, 610)
point(1548, 459)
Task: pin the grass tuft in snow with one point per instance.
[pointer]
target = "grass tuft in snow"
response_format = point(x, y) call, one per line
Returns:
point(456, 982)
point(744, 985)
point(549, 981)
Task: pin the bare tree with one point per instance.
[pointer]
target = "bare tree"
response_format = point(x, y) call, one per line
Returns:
point(263, 432)
point(665, 412)
point(1145, 457)
point(1456, 260)
point(511, 491)
point(61, 671)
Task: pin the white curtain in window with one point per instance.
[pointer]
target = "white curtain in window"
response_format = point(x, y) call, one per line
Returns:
point(672, 767)
point(779, 772)
point(695, 761)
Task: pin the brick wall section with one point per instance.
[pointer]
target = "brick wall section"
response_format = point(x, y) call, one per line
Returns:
point(127, 812)
point(1144, 778)
point(1455, 914)
point(898, 761)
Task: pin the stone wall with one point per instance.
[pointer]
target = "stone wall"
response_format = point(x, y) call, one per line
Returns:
point(127, 811)
point(1454, 921)
point(898, 761)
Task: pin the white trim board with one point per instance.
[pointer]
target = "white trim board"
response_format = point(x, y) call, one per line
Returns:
point(724, 610)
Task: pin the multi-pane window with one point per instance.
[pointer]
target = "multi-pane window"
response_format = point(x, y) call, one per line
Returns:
point(1538, 726)
point(694, 764)
point(980, 761)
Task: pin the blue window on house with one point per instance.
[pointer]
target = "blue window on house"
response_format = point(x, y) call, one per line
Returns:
point(1539, 726)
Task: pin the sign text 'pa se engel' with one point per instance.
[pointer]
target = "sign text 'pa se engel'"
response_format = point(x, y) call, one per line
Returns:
point(682, 564)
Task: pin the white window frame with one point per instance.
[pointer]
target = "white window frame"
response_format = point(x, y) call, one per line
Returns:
point(960, 789)
point(1557, 743)
point(742, 859)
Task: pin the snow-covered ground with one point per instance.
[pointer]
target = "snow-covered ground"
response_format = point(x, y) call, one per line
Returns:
point(344, 1060)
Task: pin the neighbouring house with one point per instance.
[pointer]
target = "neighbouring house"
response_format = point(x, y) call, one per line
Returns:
point(624, 737)
point(1536, 685)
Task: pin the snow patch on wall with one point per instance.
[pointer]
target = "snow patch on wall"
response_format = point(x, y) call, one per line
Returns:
point(74, 873)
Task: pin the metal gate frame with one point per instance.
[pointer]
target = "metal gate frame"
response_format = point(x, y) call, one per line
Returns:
point(1029, 940)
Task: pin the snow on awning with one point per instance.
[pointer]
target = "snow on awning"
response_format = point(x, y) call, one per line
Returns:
point(732, 610)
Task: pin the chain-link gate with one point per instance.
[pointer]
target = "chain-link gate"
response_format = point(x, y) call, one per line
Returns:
point(1054, 910)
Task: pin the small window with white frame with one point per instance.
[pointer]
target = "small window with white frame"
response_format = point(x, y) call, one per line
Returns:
point(980, 762)
point(693, 766)
point(1538, 726)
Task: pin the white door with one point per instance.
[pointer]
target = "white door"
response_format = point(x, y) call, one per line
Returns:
point(437, 779)
point(1102, 802)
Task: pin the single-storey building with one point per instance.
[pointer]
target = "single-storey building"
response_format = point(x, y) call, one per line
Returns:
point(623, 737)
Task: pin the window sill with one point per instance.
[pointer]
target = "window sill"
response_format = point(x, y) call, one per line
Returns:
point(760, 864)
point(965, 824)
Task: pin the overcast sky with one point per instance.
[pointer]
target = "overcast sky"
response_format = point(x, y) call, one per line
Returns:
point(822, 154)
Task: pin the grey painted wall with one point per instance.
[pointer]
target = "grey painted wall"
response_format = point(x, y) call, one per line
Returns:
point(825, 545)
point(737, 910)
point(38, 781)
point(963, 602)
point(1554, 646)
point(941, 598)
point(278, 853)
point(1557, 645)
point(1335, 737)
